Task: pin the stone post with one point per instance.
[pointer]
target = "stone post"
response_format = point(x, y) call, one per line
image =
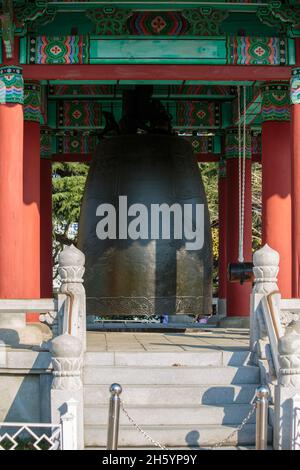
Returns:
point(68, 423)
point(71, 270)
point(266, 267)
point(67, 360)
point(287, 391)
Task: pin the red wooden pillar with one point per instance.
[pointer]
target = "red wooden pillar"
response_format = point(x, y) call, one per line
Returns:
point(276, 179)
point(238, 296)
point(222, 266)
point(12, 269)
point(295, 140)
point(46, 228)
point(31, 193)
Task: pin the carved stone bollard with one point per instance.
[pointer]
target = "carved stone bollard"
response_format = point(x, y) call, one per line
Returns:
point(287, 391)
point(67, 361)
point(266, 267)
point(71, 270)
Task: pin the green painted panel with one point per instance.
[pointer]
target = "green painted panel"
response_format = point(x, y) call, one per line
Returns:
point(292, 52)
point(226, 114)
point(193, 51)
point(217, 144)
point(23, 50)
point(52, 114)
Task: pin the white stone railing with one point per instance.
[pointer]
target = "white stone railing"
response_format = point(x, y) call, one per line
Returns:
point(42, 436)
point(65, 313)
point(275, 346)
point(66, 316)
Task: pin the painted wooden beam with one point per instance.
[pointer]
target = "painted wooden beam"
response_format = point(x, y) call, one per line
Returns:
point(207, 157)
point(203, 73)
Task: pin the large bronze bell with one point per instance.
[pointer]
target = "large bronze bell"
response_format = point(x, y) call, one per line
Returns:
point(144, 276)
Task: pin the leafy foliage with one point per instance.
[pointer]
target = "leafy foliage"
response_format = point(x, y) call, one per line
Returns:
point(68, 181)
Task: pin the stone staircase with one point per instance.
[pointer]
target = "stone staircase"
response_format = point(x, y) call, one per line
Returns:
point(181, 399)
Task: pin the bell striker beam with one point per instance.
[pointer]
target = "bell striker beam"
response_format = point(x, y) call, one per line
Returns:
point(31, 192)
point(295, 137)
point(276, 178)
point(222, 266)
point(11, 183)
point(238, 296)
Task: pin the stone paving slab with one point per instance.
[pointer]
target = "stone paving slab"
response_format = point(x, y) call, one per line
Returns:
point(202, 341)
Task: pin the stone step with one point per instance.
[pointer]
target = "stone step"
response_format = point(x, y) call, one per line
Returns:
point(161, 359)
point(175, 436)
point(173, 394)
point(171, 415)
point(171, 375)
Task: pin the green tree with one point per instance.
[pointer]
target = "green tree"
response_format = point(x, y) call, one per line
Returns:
point(68, 181)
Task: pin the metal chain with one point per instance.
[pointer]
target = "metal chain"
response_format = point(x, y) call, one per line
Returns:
point(157, 444)
point(138, 428)
point(239, 428)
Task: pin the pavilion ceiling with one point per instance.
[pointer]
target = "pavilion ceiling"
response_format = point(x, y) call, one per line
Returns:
point(73, 114)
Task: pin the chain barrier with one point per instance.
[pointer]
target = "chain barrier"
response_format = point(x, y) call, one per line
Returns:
point(239, 428)
point(161, 446)
point(138, 428)
point(219, 444)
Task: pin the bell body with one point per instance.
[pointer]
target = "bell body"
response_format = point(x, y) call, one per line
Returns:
point(156, 272)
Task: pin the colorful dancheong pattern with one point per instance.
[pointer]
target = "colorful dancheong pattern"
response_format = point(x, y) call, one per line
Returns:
point(59, 50)
point(295, 86)
point(203, 90)
point(11, 85)
point(256, 144)
point(233, 146)
point(46, 143)
point(257, 51)
point(77, 143)
point(82, 114)
point(203, 114)
point(32, 102)
point(276, 102)
point(83, 90)
point(201, 144)
point(162, 23)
